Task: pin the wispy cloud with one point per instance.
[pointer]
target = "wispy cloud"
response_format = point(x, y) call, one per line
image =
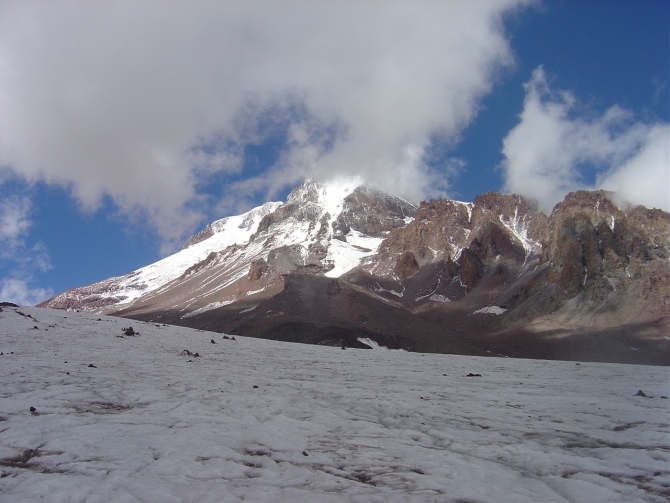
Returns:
point(23, 260)
point(558, 147)
point(14, 222)
point(126, 98)
point(19, 291)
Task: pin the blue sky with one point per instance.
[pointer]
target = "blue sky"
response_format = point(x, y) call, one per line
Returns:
point(127, 127)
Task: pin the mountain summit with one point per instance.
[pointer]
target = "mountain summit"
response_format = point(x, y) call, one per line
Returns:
point(321, 229)
point(352, 266)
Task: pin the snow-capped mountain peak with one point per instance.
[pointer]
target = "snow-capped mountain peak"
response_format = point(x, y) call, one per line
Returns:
point(329, 196)
point(318, 229)
point(331, 227)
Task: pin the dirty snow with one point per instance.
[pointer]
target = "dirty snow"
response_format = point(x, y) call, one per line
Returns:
point(323, 425)
point(497, 310)
point(436, 297)
point(208, 307)
point(373, 344)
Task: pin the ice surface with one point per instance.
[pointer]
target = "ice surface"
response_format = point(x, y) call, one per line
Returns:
point(324, 425)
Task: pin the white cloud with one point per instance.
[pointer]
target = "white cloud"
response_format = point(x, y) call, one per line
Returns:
point(14, 222)
point(19, 292)
point(115, 97)
point(552, 149)
point(645, 177)
point(23, 260)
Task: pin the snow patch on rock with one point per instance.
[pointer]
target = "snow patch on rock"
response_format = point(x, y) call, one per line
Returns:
point(436, 297)
point(208, 307)
point(497, 310)
point(373, 344)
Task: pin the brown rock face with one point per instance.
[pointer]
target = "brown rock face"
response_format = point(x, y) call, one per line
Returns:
point(589, 267)
point(299, 210)
point(492, 241)
point(595, 248)
point(505, 206)
point(442, 228)
point(437, 229)
point(200, 265)
point(406, 265)
point(372, 212)
point(364, 210)
point(258, 269)
point(206, 233)
point(472, 269)
point(301, 205)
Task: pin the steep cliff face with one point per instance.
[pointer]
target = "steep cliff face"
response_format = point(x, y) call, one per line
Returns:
point(587, 246)
point(500, 223)
point(498, 267)
point(495, 276)
point(615, 262)
point(373, 213)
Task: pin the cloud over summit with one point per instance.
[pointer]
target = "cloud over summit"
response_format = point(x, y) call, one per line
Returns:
point(146, 101)
point(557, 147)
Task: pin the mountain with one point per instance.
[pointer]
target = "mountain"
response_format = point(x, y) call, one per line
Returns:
point(352, 266)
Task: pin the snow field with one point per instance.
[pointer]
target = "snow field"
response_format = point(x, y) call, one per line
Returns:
point(323, 425)
point(227, 232)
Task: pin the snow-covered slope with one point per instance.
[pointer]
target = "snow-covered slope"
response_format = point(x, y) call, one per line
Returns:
point(227, 232)
point(324, 228)
point(124, 290)
point(133, 419)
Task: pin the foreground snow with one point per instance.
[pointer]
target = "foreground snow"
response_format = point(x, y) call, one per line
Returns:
point(323, 425)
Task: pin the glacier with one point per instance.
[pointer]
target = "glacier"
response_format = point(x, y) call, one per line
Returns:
point(124, 419)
